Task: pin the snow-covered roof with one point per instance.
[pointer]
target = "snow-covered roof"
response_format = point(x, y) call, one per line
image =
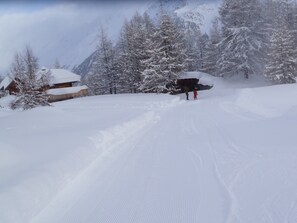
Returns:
point(63, 76)
point(204, 78)
point(60, 76)
point(67, 90)
point(6, 81)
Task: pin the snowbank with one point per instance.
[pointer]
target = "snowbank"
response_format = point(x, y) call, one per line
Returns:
point(270, 102)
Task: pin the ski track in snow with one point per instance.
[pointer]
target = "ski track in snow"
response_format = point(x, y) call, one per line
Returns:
point(160, 187)
point(152, 180)
point(180, 161)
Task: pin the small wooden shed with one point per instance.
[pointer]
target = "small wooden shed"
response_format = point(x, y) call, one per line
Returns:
point(191, 80)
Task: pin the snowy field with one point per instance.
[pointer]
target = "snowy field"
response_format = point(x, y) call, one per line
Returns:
point(230, 156)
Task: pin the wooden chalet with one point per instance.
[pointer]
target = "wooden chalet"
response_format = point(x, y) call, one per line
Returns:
point(63, 85)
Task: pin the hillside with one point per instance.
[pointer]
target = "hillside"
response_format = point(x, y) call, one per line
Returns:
point(230, 156)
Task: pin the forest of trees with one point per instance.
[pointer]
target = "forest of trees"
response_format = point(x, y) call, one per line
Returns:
point(249, 38)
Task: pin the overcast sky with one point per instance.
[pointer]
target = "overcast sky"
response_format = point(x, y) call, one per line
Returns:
point(58, 30)
point(64, 30)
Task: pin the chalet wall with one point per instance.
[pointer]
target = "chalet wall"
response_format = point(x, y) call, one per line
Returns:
point(63, 85)
point(12, 88)
point(81, 93)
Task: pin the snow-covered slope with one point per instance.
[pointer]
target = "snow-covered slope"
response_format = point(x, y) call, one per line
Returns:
point(230, 157)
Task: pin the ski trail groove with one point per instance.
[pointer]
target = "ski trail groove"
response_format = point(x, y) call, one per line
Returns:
point(153, 177)
point(104, 143)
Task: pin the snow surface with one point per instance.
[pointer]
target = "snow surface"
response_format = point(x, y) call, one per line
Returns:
point(229, 157)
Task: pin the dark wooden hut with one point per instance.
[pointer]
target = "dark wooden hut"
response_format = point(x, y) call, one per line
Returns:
point(192, 80)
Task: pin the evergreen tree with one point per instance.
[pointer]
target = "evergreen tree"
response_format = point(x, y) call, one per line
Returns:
point(204, 44)
point(281, 60)
point(132, 50)
point(122, 65)
point(167, 58)
point(243, 40)
point(212, 53)
point(192, 45)
point(102, 78)
point(291, 23)
point(133, 37)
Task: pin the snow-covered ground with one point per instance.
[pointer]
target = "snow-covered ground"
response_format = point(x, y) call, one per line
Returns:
point(230, 156)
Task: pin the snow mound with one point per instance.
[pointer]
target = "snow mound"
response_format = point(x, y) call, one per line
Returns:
point(267, 101)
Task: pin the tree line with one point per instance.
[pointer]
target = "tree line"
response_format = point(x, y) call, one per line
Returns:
point(249, 38)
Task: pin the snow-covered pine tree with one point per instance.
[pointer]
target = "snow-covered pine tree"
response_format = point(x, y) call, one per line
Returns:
point(167, 58)
point(106, 61)
point(132, 50)
point(291, 21)
point(192, 34)
point(212, 53)
point(243, 39)
point(281, 62)
point(150, 76)
point(122, 64)
point(30, 83)
point(136, 50)
point(102, 78)
point(204, 43)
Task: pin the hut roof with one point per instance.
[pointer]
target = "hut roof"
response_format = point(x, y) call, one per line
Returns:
point(203, 78)
point(58, 76)
point(5, 82)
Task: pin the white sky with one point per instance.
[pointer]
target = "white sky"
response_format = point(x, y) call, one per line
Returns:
point(65, 31)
